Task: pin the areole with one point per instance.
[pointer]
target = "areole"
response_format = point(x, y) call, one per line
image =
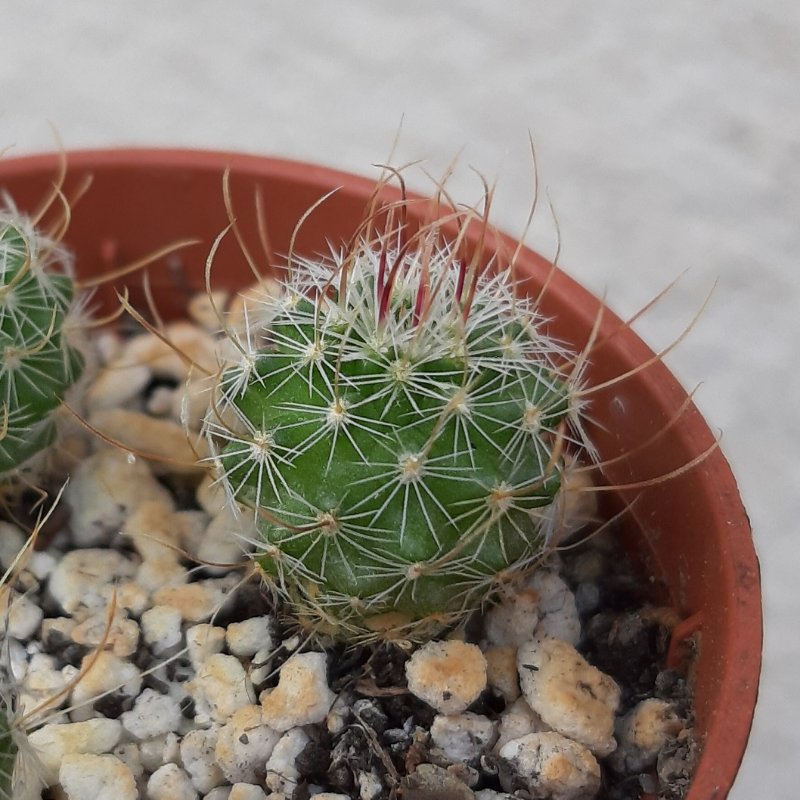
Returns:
point(689, 532)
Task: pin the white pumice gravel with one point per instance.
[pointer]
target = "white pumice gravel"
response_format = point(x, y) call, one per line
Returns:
point(558, 613)
point(282, 774)
point(122, 635)
point(642, 733)
point(104, 490)
point(170, 782)
point(53, 742)
point(152, 715)
point(91, 777)
point(244, 743)
point(517, 720)
point(302, 696)
point(554, 766)
point(197, 602)
point(161, 441)
point(161, 628)
point(248, 637)
point(501, 671)
point(448, 675)
point(247, 791)
point(202, 641)
point(513, 620)
point(82, 576)
point(462, 737)
point(569, 694)
point(20, 617)
point(221, 687)
point(102, 673)
point(199, 759)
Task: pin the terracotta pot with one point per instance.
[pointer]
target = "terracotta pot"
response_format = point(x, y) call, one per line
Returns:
point(691, 532)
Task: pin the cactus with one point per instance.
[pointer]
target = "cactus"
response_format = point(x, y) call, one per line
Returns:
point(39, 361)
point(8, 747)
point(401, 437)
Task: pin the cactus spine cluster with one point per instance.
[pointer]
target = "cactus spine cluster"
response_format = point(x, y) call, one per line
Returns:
point(39, 362)
point(401, 437)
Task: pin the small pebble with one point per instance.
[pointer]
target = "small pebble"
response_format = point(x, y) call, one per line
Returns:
point(82, 577)
point(642, 733)
point(557, 609)
point(553, 766)
point(516, 721)
point(163, 443)
point(152, 715)
point(116, 385)
point(12, 540)
point(199, 761)
point(302, 696)
point(224, 792)
point(282, 772)
point(128, 596)
point(153, 531)
point(128, 753)
point(189, 350)
point(154, 753)
point(202, 641)
point(247, 791)
point(571, 696)
point(462, 737)
point(53, 742)
point(103, 490)
point(155, 574)
point(513, 620)
point(448, 675)
point(223, 543)
point(248, 637)
point(170, 782)
point(221, 687)
point(122, 636)
point(205, 309)
point(197, 602)
point(85, 776)
point(244, 744)
point(102, 673)
point(211, 496)
point(20, 617)
point(161, 628)
point(501, 671)
point(331, 796)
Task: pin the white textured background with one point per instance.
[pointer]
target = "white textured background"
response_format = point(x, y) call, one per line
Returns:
point(668, 135)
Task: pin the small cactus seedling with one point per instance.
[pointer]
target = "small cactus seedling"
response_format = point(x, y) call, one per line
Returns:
point(402, 436)
point(39, 362)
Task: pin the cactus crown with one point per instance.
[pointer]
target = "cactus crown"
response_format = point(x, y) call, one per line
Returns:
point(39, 363)
point(401, 436)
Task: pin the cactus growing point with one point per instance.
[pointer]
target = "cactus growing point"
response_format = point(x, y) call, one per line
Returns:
point(39, 361)
point(402, 437)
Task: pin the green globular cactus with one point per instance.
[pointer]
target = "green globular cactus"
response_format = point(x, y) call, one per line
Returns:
point(401, 437)
point(39, 362)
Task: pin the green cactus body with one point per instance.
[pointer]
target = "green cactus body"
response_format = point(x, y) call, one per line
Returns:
point(38, 362)
point(8, 753)
point(399, 438)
